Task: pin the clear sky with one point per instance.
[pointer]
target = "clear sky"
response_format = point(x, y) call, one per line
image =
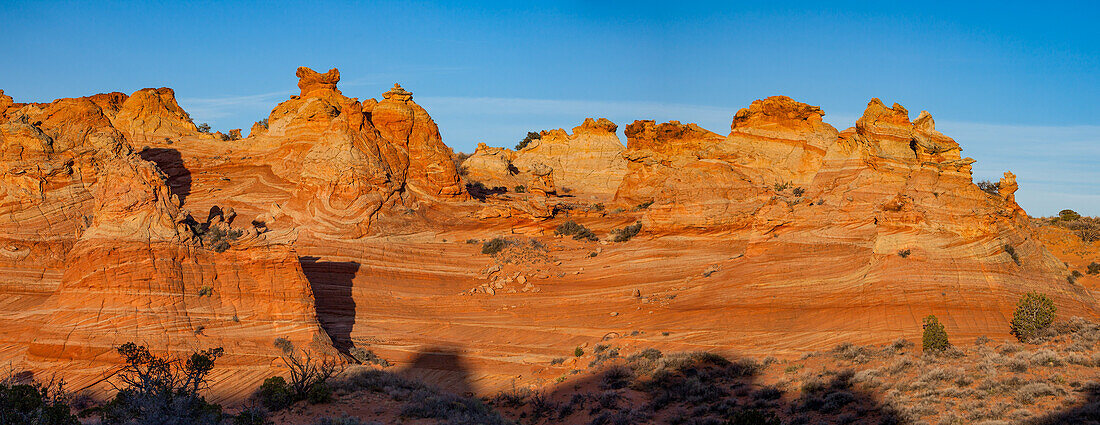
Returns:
point(1015, 83)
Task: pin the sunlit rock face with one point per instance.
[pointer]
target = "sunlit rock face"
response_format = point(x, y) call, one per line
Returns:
point(352, 226)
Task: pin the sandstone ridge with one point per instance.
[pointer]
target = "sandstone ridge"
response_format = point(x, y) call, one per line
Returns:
point(340, 223)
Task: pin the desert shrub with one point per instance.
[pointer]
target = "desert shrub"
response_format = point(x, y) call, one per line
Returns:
point(494, 245)
point(1086, 228)
point(992, 188)
point(1046, 358)
point(252, 416)
point(1068, 215)
point(579, 232)
point(557, 361)
point(479, 191)
point(203, 128)
point(275, 394)
point(342, 420)
point(798, 191)
point(643, 205)
point(1094, 268)
point(1028, 393)
point(309, 376)
point(1034, 312)
point(616, 377)
point(263, 123)
point(1011, 251)
point(160, 390)
point(219, 238)
point(521, 189)
point(206, 291)
point(368, 357)
point(577, 352)
point(752, 417)
point(935, 336)
point(531, 136)
point(624, 234)
point(428, 404)
point(904, 253)
point(34, 403)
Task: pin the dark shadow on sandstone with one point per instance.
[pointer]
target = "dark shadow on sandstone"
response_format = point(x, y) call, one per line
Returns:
point(331, 282)
point(1086, 413)
point(442, 367)
point(171, 164)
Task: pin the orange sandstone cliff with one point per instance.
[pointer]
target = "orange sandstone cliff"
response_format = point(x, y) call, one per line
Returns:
point(344, 223)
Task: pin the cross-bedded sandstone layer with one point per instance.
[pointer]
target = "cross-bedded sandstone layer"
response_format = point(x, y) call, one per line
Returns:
point(340, 223)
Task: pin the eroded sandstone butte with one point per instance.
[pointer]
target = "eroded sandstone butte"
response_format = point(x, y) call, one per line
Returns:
point(355, 224)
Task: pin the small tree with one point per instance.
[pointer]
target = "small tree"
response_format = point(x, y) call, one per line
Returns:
point(34, 403)
point(161, 389)
point(1034, 312)
point(1069, 215)
point(531, 135)
point(308, 377)
point(204, 128)
point(935, 336)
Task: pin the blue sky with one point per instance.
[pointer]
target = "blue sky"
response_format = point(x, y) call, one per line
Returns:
point(1015, 83)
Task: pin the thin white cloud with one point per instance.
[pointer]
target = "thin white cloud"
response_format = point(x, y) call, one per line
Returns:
point(229, 106)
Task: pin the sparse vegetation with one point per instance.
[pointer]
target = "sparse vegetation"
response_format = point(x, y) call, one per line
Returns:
point(1034, 312)
point(935, 336)
point(521, 189)
point(263, 123)
point(365, 356)
point(1011, 251)
point(577, 231)
point(643, 205)
point(1086, 228)
point(480, 192)
point(458, 158)
point(1094, 268)
point(308, 375)
point(624, 234)
point(798, 191)
point(992, 188)
point(154, 389)
point(531, 136)
point(904, 253)
point(577, 352)
point(206, 291)
point(203, 128)
point(34, 403)
point(219, 238)
point(494, 245)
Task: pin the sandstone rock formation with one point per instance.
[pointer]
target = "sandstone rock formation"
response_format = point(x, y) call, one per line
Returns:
point(152, 114)
point(587, 162)
point(353, 228)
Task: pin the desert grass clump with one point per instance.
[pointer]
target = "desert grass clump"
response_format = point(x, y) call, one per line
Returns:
point(494, 245)
point(1034, 312)
point(935, 336)
point(624, 234)
point(577, 231)
point(365, 356)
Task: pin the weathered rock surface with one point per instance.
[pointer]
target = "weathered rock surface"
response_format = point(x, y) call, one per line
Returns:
point(784, 236)
point(587, 162)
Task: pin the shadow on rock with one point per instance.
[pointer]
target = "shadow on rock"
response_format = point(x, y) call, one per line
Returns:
point(331, 282)
point(170, 163)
